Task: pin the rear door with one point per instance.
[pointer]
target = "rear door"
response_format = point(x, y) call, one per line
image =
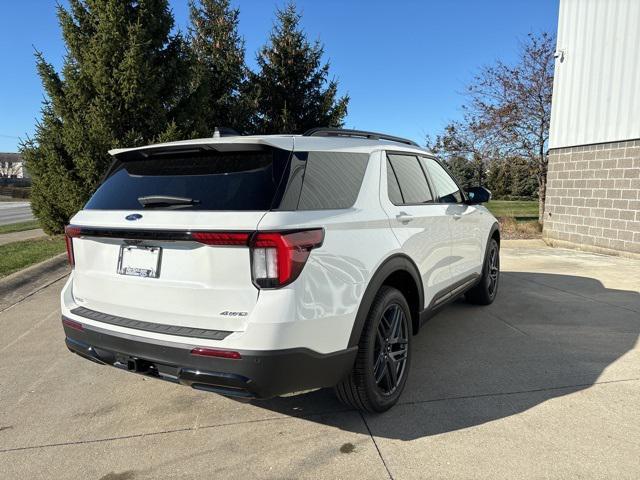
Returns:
point(465, 222)
point(419, 222)
point(163, 239)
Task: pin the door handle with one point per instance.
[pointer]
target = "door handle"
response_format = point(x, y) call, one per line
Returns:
point(404, 217)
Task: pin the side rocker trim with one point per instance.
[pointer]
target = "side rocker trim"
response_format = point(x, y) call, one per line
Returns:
point(453, 291)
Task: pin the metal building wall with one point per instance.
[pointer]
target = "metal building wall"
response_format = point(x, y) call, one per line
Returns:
point(596, 90)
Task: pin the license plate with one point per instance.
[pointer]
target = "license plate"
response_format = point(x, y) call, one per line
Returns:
point(139, 261)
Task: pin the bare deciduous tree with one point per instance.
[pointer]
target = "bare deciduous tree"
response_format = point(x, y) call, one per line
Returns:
point(470, 140)
point(506, 115)
point(512, 104)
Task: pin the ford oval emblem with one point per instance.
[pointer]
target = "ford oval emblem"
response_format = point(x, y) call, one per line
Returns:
point(133, 216)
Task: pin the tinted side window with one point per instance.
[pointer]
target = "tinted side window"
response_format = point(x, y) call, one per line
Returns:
point(292, 184)
point(393, 189)
point(411, 178)
point(445, 186)
point(331, 180)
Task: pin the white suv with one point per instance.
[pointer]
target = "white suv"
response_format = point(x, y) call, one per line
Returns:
point(254, 266)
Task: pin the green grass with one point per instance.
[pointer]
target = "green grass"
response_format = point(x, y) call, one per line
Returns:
point(18, 255)
point(508, 208)
point(19, 227)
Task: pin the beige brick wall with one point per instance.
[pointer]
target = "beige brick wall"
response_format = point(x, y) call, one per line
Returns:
point(593, 196)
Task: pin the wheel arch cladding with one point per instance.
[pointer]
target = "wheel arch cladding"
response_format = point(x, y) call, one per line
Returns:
point(399, 272)
point(495, 233)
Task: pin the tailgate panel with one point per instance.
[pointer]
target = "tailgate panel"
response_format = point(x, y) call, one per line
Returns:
point(196, 285)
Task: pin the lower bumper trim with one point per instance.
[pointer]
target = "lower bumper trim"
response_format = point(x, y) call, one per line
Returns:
point(259, 374)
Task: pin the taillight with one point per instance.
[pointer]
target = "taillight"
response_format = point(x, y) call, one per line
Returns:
point(277, 258)
point(214, 352)
point(71, 232)
point(221, 238)
point(72, 324)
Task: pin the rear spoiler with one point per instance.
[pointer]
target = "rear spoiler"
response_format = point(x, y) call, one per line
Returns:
point(223, 144)
point(284, 142)
point(160, 151)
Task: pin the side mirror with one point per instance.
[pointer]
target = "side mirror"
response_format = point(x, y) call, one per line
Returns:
point(477, 195)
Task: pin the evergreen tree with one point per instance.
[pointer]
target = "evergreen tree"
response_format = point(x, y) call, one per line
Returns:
point(511, 178)
point(499, 179)
point(462, 170)
point(523, 180)
point(120, 84)
point(290, 92)
point(218, 68)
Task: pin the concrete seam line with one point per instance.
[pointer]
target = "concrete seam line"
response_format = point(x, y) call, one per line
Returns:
point(375, 444)
point(519, 392)
point(33, 327)
point(290, 417)
point(177, 430)
point(499, 318)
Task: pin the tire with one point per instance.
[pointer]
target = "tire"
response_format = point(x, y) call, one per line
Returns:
point(484, 293)
point(380, 355)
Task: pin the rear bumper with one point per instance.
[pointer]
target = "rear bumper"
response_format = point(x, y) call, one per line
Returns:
point(258, 374)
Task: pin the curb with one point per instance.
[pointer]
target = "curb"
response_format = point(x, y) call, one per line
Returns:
point(22, 284)
point(523, 243)
point(552, 242)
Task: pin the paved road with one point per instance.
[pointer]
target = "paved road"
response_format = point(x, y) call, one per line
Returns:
point(14, 212)
point(545, 383)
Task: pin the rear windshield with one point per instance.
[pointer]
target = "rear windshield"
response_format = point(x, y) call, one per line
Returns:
point(264, 179)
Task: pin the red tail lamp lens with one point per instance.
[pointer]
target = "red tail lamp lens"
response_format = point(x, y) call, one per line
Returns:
point(71, 232)
point(212, 352)
point(221, 238)
point(279, 257)
point(72, 324)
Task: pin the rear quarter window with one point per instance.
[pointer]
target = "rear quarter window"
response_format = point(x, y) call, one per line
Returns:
point(332, 180)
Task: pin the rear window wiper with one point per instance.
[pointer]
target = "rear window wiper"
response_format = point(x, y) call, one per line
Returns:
point(166, 201)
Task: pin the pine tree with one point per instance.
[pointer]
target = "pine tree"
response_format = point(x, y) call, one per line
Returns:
point(218, 68)
point(290, 92)
point(462, 170)
point(120, 85)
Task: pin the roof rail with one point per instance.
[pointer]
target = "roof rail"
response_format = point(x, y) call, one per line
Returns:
point(344, 132)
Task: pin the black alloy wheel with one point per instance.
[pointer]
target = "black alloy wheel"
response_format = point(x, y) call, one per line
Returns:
point(493, 270)
point(383, 362)
point(484, 292)
point(391, 349)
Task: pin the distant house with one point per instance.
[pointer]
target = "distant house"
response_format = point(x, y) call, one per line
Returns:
point(12, 166)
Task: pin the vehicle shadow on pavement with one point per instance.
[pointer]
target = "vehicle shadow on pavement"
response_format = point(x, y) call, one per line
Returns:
point(545, 336)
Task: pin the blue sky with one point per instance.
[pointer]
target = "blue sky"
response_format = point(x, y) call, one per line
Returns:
point(403, 63)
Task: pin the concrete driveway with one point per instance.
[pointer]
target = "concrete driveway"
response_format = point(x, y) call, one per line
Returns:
point(545, 383)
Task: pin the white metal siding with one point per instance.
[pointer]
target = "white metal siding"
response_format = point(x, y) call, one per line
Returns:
point(596, 90)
